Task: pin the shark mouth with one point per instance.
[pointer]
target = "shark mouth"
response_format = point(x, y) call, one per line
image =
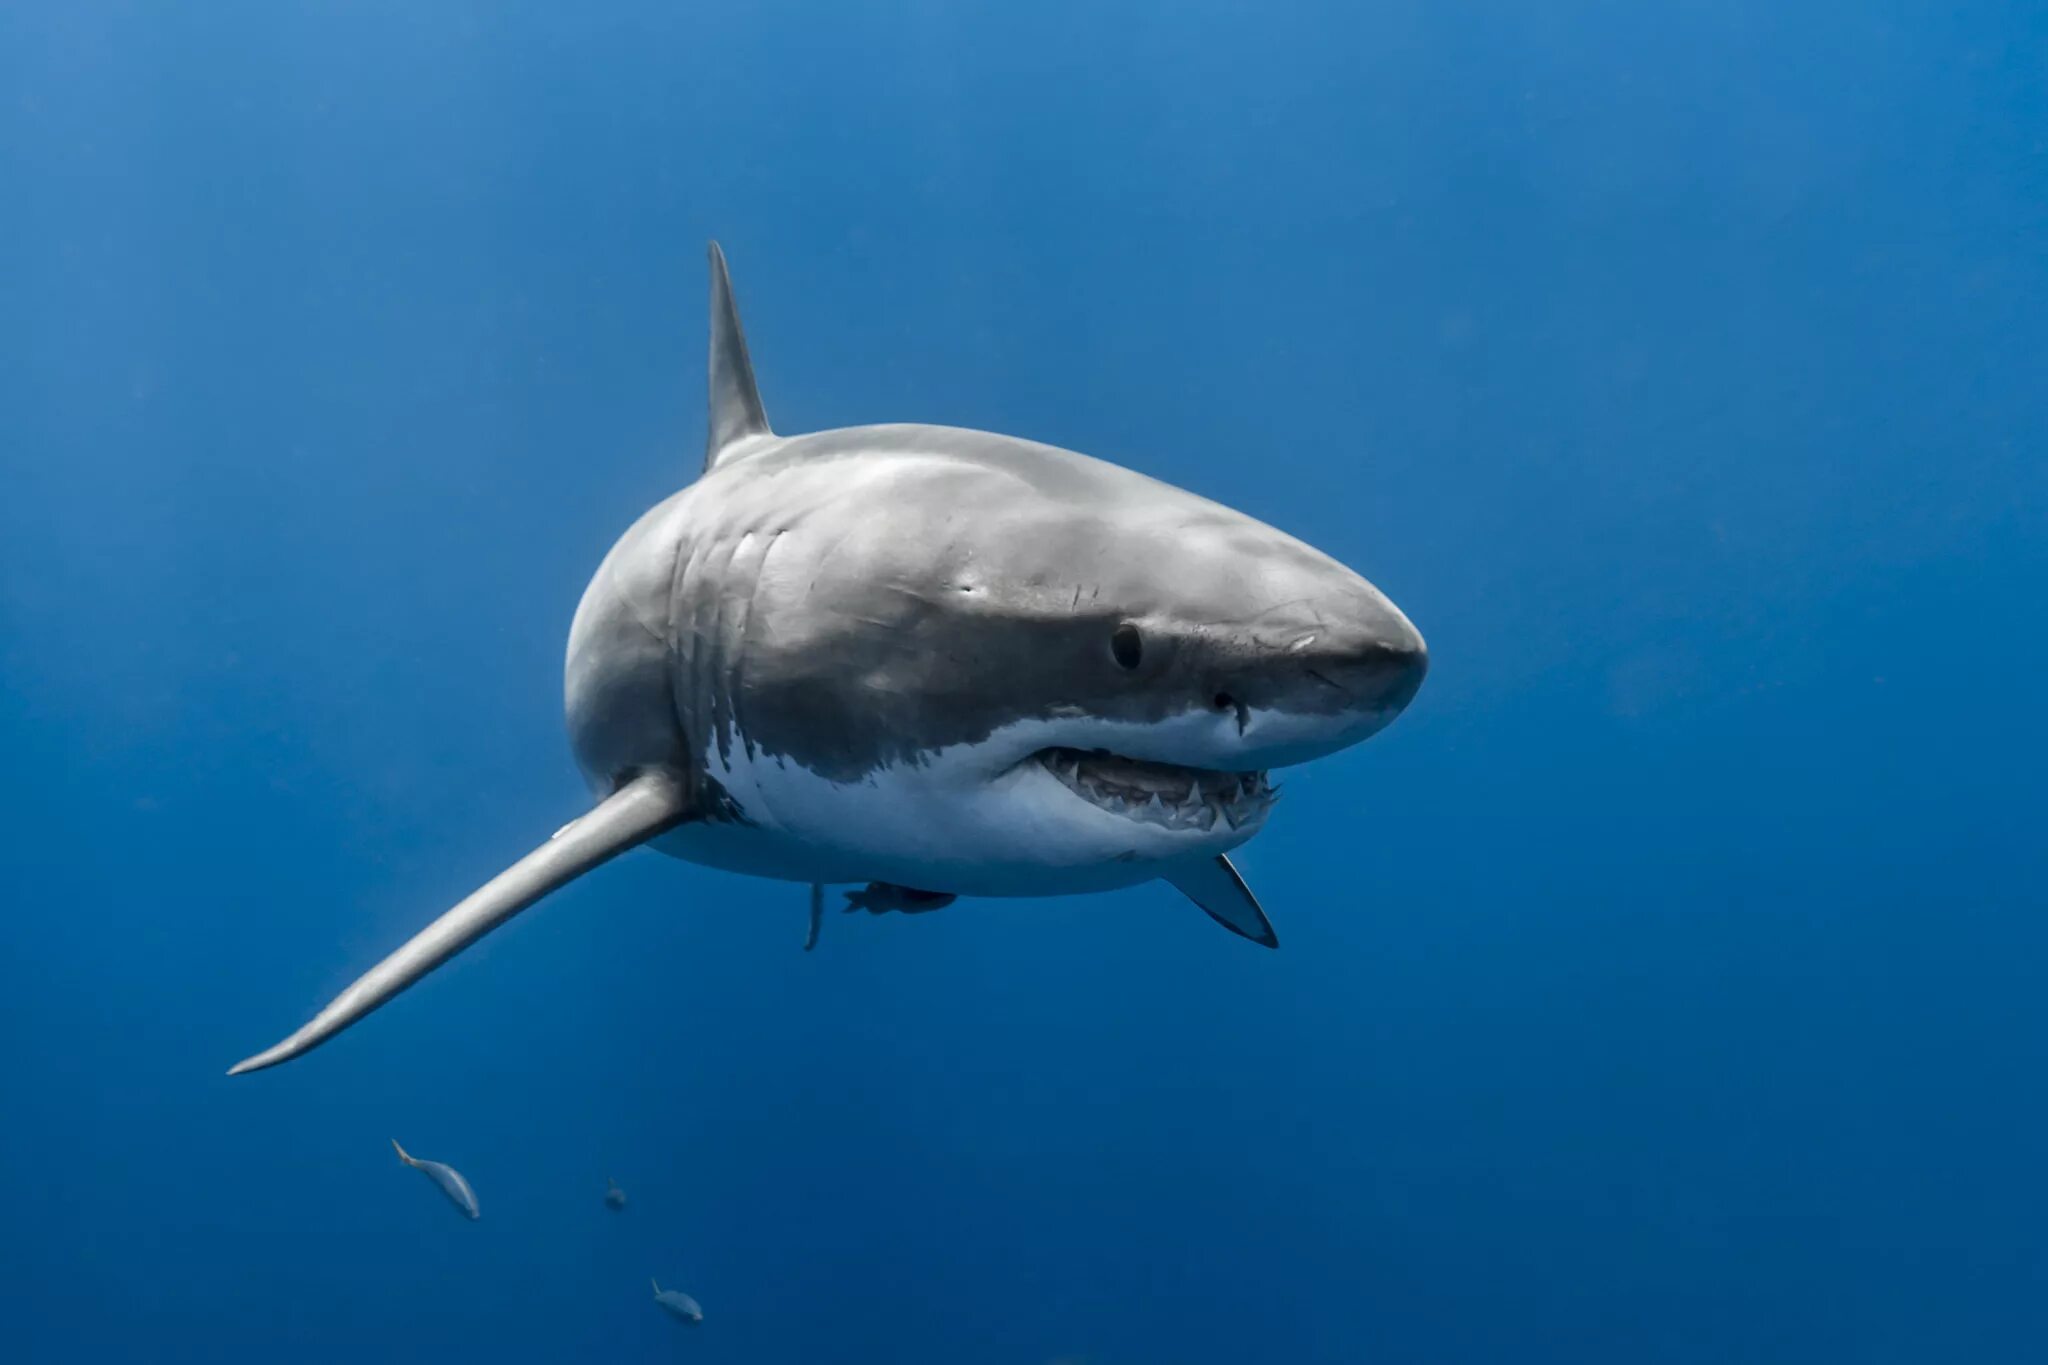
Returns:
point(1164, 794)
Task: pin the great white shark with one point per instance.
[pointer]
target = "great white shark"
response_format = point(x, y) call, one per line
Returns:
point(937, 663)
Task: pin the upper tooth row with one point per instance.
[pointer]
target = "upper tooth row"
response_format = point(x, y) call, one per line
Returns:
point(1250, 784)
point(1196, 807)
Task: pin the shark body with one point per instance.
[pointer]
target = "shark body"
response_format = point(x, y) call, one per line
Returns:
point(937, 662)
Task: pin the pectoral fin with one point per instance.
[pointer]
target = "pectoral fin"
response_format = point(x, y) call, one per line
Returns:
point(817, 916)
point(643, 808)
point(1214, 885)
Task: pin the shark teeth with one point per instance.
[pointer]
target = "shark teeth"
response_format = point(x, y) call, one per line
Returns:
point(1163, 794)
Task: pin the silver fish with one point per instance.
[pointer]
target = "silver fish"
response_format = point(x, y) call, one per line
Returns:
point(677, 1304)
point(448, 1178)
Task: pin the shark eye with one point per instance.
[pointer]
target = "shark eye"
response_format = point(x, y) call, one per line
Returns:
point(1126, 646)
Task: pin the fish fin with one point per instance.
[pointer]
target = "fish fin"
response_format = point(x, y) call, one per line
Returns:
point(657, 1285)
point(1213, 884)
point(736, 411)
point(403, 1155)
point(817, 915)
point(644, 807)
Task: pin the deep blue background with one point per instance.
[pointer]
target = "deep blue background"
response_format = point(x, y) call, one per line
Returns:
point(1664, 987)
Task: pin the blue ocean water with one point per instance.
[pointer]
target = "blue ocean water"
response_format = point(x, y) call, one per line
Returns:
point(1663, 987)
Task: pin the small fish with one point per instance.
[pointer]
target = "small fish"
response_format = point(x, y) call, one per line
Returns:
point(614, 1198)
point(448, 1178)
point(677, 1304)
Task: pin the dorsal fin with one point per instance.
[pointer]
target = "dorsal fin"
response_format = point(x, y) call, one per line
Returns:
point(736, 411)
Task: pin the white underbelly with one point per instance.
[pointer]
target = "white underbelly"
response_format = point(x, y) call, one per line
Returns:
point(960, 820)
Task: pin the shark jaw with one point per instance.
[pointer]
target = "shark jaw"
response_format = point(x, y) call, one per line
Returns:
point(1167, 795)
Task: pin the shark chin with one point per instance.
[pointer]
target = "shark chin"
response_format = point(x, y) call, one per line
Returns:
point(937, 662)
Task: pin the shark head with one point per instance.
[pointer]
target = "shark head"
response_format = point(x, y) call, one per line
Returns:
point(1043, 660)
point(1198, 650)
point(1153, 656)
point(1170, 629)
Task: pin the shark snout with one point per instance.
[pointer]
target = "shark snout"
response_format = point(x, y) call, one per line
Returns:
point(1380, 671)
point(1327, 680)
